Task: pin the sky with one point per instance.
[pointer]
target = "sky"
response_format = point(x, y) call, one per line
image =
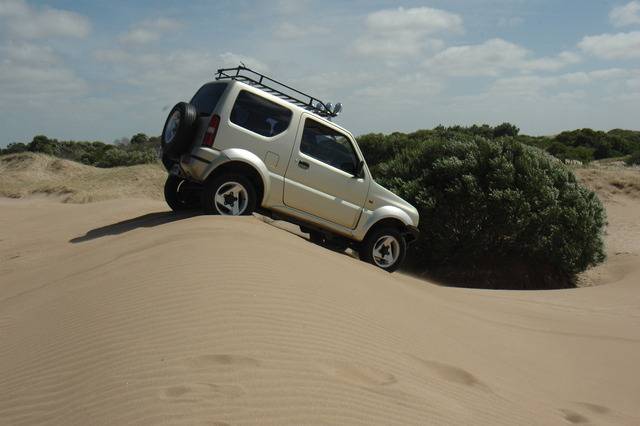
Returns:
point(98, 70)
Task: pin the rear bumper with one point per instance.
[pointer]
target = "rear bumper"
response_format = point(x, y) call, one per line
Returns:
point(197, 163)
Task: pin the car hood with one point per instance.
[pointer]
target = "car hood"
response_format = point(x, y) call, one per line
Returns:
point(379, 196)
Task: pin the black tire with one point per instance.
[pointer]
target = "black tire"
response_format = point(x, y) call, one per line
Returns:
point(180, 142)
point(180, 194)
point(212, 186)
point(317, 237)
point(367, 247)
point(167, 162)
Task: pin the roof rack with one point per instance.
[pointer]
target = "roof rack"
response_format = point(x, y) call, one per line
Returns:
point(261, 81)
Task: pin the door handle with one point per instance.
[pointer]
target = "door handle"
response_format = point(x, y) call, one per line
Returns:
point(303, 164)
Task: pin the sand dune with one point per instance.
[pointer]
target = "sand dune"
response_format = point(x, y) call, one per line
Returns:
point(31, 174)
point(118, 312)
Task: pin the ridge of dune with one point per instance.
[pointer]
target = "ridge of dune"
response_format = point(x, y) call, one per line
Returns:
point(119, 312)
point(29, 174)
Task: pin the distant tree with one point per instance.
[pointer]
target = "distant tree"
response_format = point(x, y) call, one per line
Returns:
point(633, 159)
point(139, 139)
point(505, 129)
point(14, 148)
point(45, 145)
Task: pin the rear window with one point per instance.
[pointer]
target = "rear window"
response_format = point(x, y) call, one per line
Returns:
point(206, 99)
point(260, 115)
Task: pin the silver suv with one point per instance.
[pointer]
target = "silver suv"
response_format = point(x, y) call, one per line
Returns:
point(247, 143)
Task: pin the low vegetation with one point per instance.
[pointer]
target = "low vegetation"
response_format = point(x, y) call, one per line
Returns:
point(494, 212)
point(140, 149)
point(582, 145)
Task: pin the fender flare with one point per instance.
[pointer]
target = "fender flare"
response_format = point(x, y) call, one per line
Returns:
point(246, 157)
point(382, 213)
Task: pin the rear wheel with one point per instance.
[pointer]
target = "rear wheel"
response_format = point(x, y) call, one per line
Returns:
point(180, 194)
point(385, 248)
point(229, 195)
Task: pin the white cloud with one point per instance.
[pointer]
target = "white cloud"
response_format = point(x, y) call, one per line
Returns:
point(396, 33)
point(165, 72)
point(493, 57)
point(398, 46)
point(149, 30)
point(487, 59)
point(24, 21)
point(425, 20)
point(534, 84)
point(408, 89)
point(32, 73)
point(290, 31)
point(552, 63)
point(634, 83)
point(612, 46)
point(629, 14)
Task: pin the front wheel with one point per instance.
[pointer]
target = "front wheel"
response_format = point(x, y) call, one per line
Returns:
point(180, 194)
point(385, 248)
point(229, 195)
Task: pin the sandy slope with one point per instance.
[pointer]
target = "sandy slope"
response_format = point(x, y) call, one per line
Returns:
point(29, 174)
point(117, 313)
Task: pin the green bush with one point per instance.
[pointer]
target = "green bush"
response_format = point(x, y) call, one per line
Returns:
point(141, 149)
point(633, 159)
point(496, 204)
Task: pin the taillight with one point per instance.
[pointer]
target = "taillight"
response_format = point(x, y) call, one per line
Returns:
point(210, 134)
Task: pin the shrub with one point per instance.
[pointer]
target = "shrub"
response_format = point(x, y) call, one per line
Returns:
point(633, 159)
point(497, 204)
point(505, 129)
point(141, 149)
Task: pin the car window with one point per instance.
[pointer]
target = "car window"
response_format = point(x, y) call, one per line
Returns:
point(329, 146)
point(260, 115)
point(206, 99)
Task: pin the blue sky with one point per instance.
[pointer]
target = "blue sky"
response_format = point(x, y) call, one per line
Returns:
point(88, 70)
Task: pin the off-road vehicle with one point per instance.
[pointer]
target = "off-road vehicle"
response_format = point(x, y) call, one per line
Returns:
point(247, 143)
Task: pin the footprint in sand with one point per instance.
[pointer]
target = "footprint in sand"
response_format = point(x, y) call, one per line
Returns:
point(574, 417)
point(595, 408)
point(358, 374)
point(200, 391)
point(214, 360)
point(450, 373)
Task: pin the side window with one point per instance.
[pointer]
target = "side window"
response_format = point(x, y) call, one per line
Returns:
point(327, 145)
point(260, 115)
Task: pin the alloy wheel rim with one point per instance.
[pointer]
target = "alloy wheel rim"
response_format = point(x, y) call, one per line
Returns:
point(386, 251)
point(231, 199)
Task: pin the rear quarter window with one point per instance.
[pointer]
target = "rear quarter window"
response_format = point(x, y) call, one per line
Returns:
point(260, 115)
point(206, 99)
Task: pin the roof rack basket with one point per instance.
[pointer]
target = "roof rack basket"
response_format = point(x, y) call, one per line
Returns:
point(269, 85)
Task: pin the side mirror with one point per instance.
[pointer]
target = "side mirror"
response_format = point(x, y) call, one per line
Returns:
point(359, 169)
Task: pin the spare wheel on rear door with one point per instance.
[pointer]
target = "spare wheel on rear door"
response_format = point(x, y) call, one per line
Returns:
point(177, 134)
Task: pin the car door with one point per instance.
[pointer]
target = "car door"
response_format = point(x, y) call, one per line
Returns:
point(320, 178)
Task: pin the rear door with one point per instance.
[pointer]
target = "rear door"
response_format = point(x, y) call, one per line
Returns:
point(320, 178)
